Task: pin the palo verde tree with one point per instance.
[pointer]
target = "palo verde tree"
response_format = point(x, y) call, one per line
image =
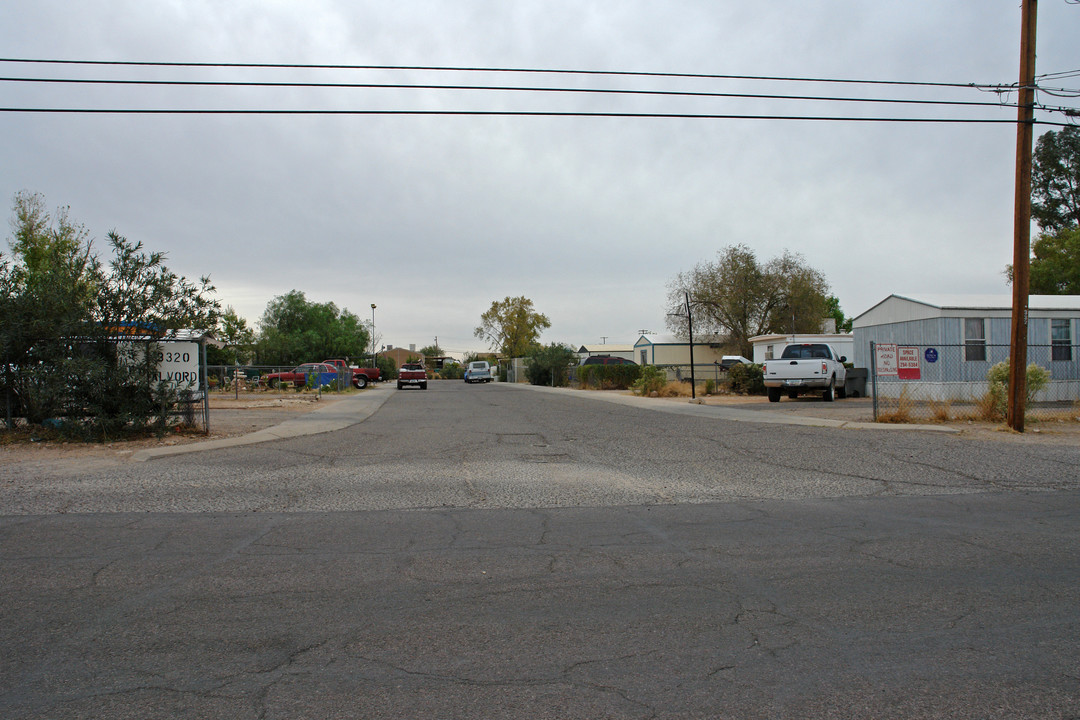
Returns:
point(63, 311)
point(294, 330)
point(512, 326)
point(737, 297)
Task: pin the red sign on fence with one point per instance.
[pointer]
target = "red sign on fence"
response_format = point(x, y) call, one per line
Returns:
point(907, 363)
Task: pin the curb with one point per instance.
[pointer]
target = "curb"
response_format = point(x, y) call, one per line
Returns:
point(342, 414)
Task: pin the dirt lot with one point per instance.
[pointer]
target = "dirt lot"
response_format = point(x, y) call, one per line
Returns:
point(229, 417)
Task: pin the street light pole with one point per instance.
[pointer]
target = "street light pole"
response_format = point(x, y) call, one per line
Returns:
point(374, 359)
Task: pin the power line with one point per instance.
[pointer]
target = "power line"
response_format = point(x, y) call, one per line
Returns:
point(502, 113)
point(498, 88)
point(468, 69)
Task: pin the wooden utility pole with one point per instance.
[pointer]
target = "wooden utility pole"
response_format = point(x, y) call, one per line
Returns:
point(690, 332)
point(1025, 122)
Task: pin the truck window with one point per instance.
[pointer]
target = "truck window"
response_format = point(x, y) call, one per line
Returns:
point(806, 352)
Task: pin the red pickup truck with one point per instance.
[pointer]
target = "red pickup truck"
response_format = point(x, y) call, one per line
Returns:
point(361, 376)
point(412, 374)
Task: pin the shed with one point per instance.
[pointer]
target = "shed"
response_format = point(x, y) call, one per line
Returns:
point(769, 347)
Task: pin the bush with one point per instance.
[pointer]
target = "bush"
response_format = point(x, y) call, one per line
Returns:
point(653, 379)
point(995, 402)
point(549, 365)
point(747, 378)
point(608, 377)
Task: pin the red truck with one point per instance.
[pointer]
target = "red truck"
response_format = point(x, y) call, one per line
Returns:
point(412, 374)
point(361, 376)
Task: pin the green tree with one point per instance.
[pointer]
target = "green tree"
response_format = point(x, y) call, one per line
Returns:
point(1055, 264)
point(549, 364)
point(832, 310)
point(737, 297)
point(236, 340)
point(512, 326)
point(294, 330)
point(1055, 180)
point(63, 311)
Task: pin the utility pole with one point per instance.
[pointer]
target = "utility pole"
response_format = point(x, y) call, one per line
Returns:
point(1025, 122)
point(690, 332)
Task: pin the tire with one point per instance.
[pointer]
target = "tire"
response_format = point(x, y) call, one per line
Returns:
point(841, 393)
point(399, 386)
point(827, 396)
point(360, 381)
point(774, 394)
point(793, 395)
point(423, 386)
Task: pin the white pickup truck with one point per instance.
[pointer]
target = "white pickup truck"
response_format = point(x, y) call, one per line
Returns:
point(805, 367)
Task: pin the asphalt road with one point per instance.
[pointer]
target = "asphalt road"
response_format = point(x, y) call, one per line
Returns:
point(488, 551)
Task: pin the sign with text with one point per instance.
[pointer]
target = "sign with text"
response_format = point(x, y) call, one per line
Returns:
point(907, 363)
point(178, 364)
point(885, 360)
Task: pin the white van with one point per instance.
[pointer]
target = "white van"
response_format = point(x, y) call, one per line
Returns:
point(478, 371)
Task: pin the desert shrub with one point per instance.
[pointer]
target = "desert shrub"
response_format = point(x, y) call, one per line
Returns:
point(998, 393)
point(608, 377)
point(710, 387)
point(652, 379)
point(747, 378)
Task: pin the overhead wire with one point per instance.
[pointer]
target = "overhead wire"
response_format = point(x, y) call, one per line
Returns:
point(1001, 90)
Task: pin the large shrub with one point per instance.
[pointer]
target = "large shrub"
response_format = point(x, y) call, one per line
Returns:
point(653, 379)
point(549, 365)
point(608, 377)
point(746, 378)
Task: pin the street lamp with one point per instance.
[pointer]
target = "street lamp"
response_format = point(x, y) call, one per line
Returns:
point(374, 360)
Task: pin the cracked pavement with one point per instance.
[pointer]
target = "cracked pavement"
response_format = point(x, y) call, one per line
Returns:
point(485, 552)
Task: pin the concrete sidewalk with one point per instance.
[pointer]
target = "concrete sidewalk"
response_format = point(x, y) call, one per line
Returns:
point(338, 416)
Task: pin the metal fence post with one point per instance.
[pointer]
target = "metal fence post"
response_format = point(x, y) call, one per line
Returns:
point(873, 376)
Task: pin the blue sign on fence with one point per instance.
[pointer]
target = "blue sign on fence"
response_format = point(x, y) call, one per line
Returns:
point(931, 355)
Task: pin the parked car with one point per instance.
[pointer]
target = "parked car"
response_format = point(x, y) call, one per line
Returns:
point(478, 371)
point(299, 374)
point(729, 361)
point(360, 376)
point(606, 360)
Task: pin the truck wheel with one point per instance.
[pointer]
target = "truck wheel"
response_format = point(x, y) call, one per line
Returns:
point(360, 381)
point(827, 396)
point(774, 394)
point(423, 386)
point(793, 394)
point(841, 392)
point(399, 386)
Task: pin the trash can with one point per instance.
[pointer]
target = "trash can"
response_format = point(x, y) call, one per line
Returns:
point(855, 382)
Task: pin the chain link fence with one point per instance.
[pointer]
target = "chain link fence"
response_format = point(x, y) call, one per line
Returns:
point(939, 383)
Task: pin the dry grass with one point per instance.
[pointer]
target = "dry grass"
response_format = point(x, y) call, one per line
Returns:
point(941, 410)
point(900, 413)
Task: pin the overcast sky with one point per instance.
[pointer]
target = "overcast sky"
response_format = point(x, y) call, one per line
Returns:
point(434, 217)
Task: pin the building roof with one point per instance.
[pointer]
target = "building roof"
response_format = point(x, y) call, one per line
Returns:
point(672, 340)
point(601, 349)
point(944, 301)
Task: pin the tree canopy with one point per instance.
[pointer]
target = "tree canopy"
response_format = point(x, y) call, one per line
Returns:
point(63, 311)
point(1055, 180)
point(294, 330)
point(512, 326)
point(737, 297)
point(1055, 264)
